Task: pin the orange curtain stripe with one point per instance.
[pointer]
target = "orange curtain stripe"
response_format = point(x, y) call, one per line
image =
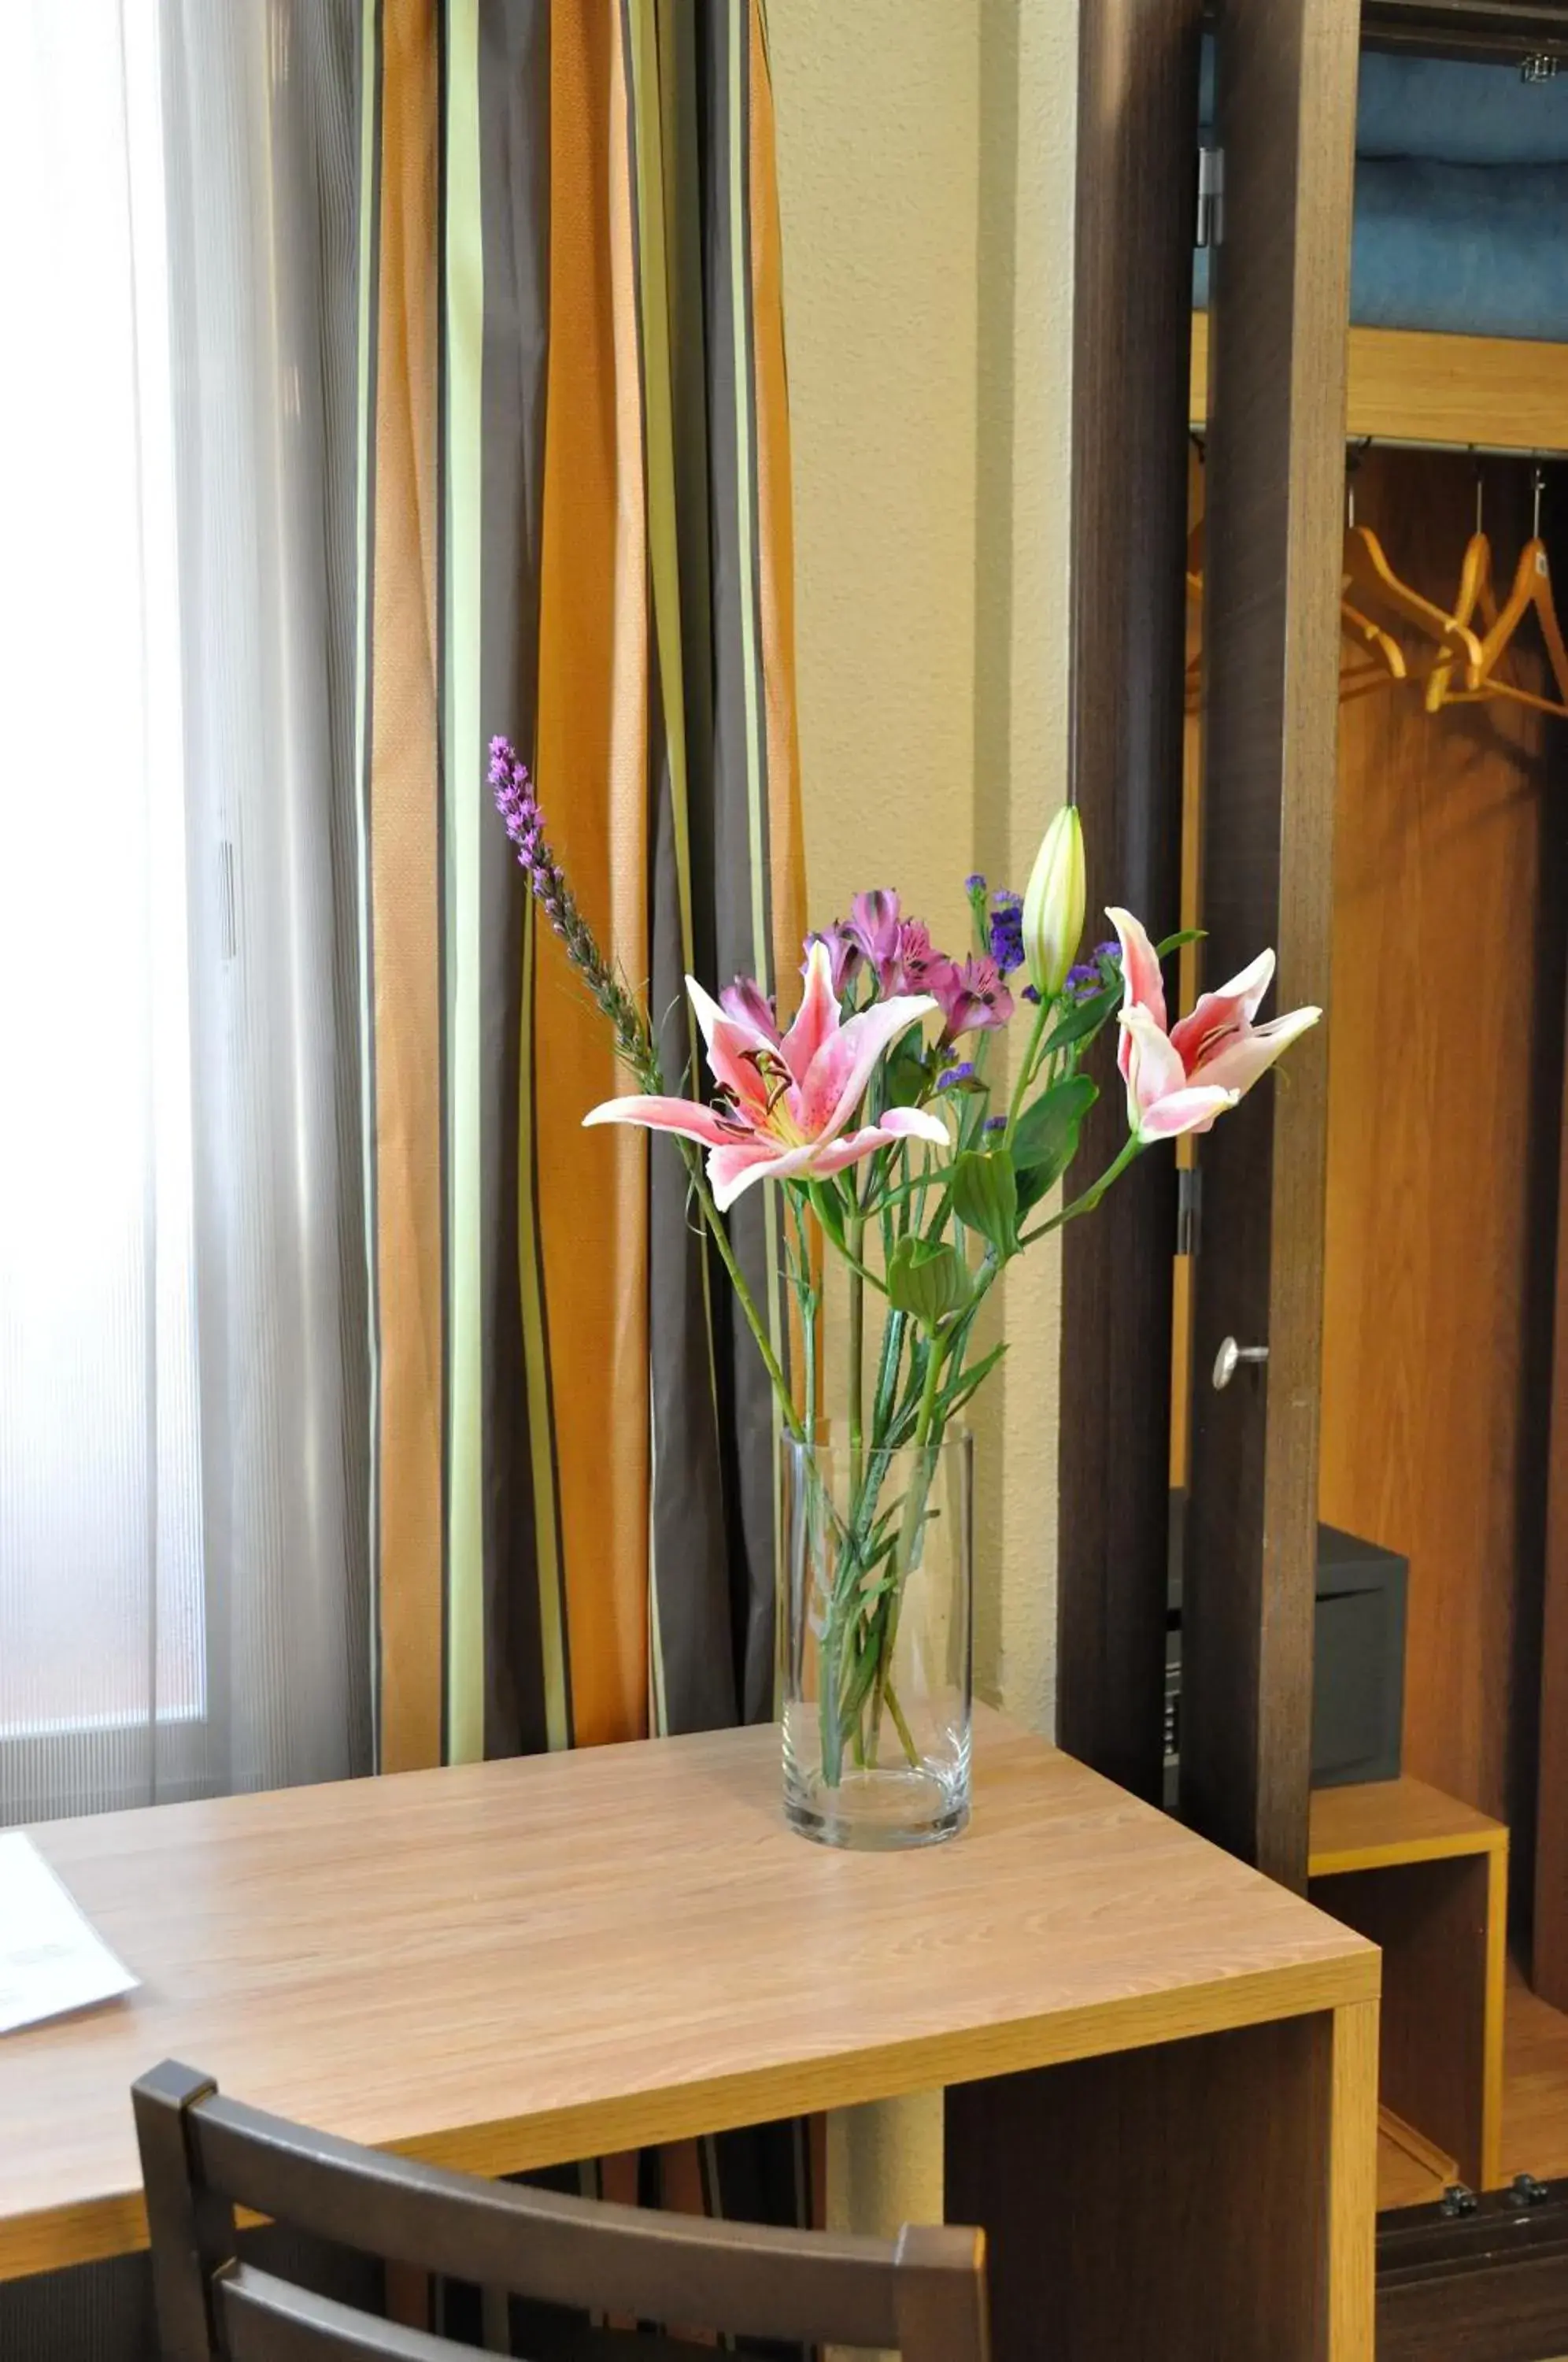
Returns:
point(591, 766)
point(404, 806)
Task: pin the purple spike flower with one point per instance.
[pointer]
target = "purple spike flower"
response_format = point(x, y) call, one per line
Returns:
point(519, 809)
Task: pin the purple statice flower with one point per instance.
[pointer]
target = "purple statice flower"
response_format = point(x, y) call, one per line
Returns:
point(994, 1123)
point(749, 1005)
point(1090, 976)
point(1005, 932)
point(950, 1078)
point(973, 999)
point(974, 883)
point(844, 954)
point(519, 808)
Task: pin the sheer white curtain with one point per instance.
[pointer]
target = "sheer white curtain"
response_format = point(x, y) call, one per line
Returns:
point(183, 1388)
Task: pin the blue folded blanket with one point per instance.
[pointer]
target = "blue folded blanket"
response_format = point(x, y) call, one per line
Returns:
point(1448, 111)
point(1455, 248)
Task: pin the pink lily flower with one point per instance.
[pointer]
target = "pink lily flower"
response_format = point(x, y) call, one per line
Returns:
point(1181, 1080)
point(784, 1103)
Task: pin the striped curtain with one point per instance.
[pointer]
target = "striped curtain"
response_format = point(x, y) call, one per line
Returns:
point(575, 503)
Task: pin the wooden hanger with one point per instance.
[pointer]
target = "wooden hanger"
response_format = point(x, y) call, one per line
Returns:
point(1367, 570)
point(1532, 591)
point(1384, 665)
point(1476, 597)
point(1387, 663)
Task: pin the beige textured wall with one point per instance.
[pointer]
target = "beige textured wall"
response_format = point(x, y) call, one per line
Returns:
point(925, 163)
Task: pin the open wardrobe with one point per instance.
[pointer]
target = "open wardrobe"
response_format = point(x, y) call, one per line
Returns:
point(1344, 632)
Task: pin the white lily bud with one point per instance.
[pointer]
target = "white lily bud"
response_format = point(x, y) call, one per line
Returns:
point(1053, 905)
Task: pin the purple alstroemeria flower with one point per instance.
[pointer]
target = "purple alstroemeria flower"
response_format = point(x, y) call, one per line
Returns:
point(844, 954)
point(746, 1001)
point(876, 926)
point(920, 966)
point(976, 998)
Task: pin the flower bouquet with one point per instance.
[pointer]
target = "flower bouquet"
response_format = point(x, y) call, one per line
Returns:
point(908, 1152)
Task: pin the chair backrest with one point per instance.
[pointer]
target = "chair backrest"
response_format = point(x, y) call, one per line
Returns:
point(922, 2295)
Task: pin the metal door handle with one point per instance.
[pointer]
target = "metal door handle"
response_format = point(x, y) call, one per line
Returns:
point(1227, 1358)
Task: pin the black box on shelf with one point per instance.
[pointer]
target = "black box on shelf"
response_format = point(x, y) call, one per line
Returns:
point(1358, 1679)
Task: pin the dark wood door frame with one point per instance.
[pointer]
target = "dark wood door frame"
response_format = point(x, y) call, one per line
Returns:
point(1492, 2288)
point(1131, 333)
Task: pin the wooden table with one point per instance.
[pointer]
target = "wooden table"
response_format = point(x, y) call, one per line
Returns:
point(517, 1963)
point(1427, 1878)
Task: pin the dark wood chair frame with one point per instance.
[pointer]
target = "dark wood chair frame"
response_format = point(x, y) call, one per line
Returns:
point(922, 2295)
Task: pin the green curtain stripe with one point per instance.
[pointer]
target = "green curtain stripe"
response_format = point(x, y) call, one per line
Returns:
point(364, 476)
point(464, 339)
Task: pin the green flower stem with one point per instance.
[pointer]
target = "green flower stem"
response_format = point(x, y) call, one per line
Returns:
point(856, 1246)
point(1026, 1069)
point(914, 1515)
point(714, 1219)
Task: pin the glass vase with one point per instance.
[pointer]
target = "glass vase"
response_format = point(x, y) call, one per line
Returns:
point(879, 1570)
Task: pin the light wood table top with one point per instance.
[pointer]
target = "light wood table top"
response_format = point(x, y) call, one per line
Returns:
point(512, 1964)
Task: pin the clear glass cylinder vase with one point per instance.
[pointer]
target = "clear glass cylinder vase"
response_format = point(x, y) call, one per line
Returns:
point(878, 1585)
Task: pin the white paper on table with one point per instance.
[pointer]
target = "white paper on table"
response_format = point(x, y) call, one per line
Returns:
point(51, 1958)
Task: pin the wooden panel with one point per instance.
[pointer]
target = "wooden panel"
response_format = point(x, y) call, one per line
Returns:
point(1436, 1347)
point(1136, 161)
point(1286, 111)
point(1535, 2086)
point(1352, 2182)
point(517, 1963)
point(1407, 385)
point(1441, 2018)
point(1380, 1822)
point(1488, 2287)
point(1104, 2138)
point(1549, 1965)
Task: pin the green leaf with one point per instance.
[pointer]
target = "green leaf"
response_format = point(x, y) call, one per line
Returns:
point(1174, 942)
point(907, 1075)
point(1048, 1129)
point(828, 1207)
point(1046, 1140)
point(955, 1396)
point(1084, 1018)
point(928, 1280)
point(985, 1197)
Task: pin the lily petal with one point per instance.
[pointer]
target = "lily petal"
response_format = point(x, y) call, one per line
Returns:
point(898, 1123)
point(735, 1165)
point(688, 1117)
point(836, 1078)
point(1184, 1110)
point(914, 1124)
point(1149, 1065)
point(1239, 1061)
point(1218, 1015)
point(732, 1045)
point(1143, 986)
point(816, 1020)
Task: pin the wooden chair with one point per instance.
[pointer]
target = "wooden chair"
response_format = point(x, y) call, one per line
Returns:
point(202, 2156)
